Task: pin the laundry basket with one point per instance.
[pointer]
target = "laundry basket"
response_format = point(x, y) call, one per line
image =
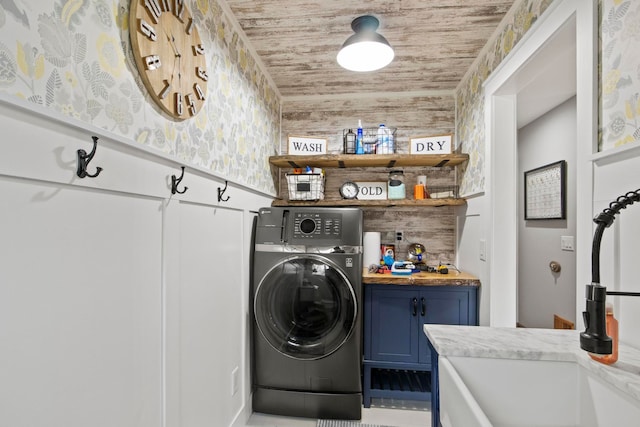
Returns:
point(307, 186)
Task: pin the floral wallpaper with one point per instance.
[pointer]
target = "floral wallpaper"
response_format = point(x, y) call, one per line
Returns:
point(620, 73)
point(619, 86)
point(74, 56)
point(470, 93)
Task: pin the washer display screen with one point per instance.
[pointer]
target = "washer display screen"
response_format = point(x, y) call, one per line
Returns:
point(307, 226)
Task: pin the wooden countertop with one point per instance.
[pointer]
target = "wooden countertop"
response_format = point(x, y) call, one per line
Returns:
point(453, 278)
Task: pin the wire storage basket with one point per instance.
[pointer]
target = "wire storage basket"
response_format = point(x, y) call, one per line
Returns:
point(306, 186)
point(370, 142)
point(443, 192)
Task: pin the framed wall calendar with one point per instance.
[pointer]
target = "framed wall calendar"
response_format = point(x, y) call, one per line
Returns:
point(545, 192)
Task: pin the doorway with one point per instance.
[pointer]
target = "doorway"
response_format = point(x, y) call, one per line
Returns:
point(546, 247)
point(540, 74)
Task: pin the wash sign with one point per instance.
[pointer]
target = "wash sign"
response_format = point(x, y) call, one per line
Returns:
point(439, 144)
point(305, 145)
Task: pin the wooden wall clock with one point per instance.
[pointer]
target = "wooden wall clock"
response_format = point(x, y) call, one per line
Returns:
point(169, 55)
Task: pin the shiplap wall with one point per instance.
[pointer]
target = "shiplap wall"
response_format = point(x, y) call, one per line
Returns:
point(327, 117)
point(413, 116)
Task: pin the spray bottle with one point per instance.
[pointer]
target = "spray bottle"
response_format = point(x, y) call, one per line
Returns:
point(359, 137)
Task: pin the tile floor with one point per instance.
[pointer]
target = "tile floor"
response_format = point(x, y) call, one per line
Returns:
point(388, 412)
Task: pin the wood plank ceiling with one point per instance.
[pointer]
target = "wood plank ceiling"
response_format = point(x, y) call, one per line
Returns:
point(435, 42)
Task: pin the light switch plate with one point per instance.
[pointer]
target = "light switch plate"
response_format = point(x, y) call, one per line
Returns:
point(483, 250)
point(567, 243)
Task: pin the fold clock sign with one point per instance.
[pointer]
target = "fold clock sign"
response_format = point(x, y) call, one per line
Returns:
point(169, 55)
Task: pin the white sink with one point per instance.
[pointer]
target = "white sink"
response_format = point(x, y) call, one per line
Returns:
point(487, 392)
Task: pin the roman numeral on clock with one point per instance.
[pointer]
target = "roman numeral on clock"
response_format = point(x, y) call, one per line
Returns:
point(179, 9)
point(202, 73)
point(166, 5)
point(152, 62)
point(153, 7)
point(148, 30)
point(165, 91)
point(198, 90)
point(198, 49)
point(191, 103)
point(179, 105)
point(189, 26)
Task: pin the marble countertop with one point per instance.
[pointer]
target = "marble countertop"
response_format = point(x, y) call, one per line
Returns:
point(453, 278)
point(536, 344)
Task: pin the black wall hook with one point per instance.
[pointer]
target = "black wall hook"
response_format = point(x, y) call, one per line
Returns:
point(84, 159)
point(175, 181)
point(221, 193)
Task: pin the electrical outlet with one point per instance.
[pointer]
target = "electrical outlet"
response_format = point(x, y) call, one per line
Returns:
point(234, 381)
point(399, 236)
point(567, 243)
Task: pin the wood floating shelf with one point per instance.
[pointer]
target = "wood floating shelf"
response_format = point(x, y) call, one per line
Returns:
point(368, 160)
point(371, 203)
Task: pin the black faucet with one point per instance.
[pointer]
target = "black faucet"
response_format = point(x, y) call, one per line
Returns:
point(594, 339)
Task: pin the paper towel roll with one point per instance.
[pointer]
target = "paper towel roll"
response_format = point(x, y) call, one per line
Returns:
point(371, 248)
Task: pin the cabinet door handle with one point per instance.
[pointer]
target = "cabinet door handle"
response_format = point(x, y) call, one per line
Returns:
point(415, 306)
point(424, 307)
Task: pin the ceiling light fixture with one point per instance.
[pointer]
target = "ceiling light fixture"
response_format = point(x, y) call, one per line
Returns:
point(365, 50)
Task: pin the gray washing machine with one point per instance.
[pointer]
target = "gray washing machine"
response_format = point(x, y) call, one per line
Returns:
point(307, 312)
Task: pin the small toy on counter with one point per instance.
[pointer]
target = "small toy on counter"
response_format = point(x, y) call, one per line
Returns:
point(417, 253)
point(387, 260)
point(402, 268)
point(380, 269)
point(388, 254)
point(444, 268)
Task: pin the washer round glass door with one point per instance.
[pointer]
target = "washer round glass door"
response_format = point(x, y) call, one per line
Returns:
point(305, 307)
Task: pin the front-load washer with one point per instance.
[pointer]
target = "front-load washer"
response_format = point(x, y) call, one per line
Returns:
point(307, 312)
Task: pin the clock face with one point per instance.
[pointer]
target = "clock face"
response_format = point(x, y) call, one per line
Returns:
point(349, 190)
point(169, 55)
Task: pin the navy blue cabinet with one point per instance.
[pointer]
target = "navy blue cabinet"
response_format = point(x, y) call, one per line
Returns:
point(397, 359)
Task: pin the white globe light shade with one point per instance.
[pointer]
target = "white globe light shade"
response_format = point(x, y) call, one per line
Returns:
point(365, 50)
point(365, 56)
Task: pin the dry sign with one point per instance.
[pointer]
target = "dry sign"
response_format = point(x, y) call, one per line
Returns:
point(306, 145)
point(439, 144)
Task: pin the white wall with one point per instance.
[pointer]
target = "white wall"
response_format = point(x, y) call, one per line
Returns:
point(471, 231)
point(121, 304)
point(80, 306)
point(541, 292)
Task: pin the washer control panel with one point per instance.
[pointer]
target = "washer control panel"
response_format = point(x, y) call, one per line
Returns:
point(311, 225)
